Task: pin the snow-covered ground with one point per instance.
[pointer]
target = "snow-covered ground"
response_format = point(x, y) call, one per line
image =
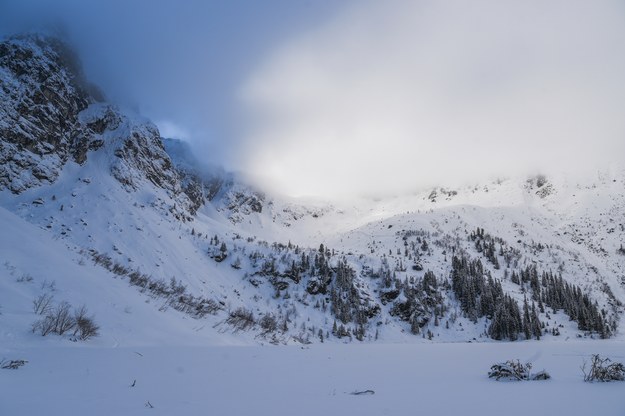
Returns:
point(181, 365)
point(162, 254)
point(432, 379)
point(49, 231)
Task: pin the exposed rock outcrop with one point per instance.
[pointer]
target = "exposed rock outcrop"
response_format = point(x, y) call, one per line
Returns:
point(50, 115)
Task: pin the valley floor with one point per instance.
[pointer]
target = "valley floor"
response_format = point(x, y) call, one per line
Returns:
point(433, 379)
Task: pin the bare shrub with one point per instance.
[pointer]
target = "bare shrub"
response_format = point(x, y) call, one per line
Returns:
point(63, 319)
point(302, 338)
point(236, 264)
point(85, 325)
point(363, 392)
point(25, 278)
point(44, 326)
point(268, 323)
point(515, 371)
point(138, 279)
point(603, 369)
point(541, 375)
point(175, 292)
point(57, 320)
point(42, 304)
point(206, 306)
point(119, 270)
point(12, 364)
point(241, 319)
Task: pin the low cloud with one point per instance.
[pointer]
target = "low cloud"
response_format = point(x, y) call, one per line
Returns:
point(178, 62)
point(393, 96)
point(338, 98)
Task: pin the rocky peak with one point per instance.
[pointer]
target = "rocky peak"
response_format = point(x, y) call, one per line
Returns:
point(203, 183)
point(50, 114)
point(42, 91)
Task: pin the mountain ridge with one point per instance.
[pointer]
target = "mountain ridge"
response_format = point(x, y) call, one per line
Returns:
point(139, 209)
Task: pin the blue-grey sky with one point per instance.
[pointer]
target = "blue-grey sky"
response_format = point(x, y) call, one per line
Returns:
point(179, 62)
point(336, 97)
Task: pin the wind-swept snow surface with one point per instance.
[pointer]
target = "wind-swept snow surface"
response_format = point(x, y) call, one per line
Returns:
point(432, 379)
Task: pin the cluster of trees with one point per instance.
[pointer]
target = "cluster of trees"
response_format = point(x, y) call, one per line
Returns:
point(419, 300)
point(322, 274)
point(345, 299)
point(509, 323)
point(422, 301)
point(416, 298)
point(558, 294)
point(480, 295)
point(553, 291)
point(545, 289)
point(348, 303)
point(217, 250)
point(413, 249)
point(474, 287)
point(487, 245)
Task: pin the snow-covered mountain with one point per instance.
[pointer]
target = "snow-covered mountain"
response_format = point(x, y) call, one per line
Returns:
point(98, 209)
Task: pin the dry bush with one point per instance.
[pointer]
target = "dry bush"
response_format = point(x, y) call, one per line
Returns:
point(515, 371)
point(42, 304)
point(12, 364)
point(241, 319)
point(44, 326)
point(63, 319)
point(85, 325)
point(59, 320)
point(603, 369)
point(268, 323)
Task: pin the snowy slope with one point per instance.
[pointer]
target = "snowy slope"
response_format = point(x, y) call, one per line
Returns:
point(82, 210)
point(214, 259)
point(35, 263)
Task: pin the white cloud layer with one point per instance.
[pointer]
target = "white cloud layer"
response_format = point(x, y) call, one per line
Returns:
point(390, 96)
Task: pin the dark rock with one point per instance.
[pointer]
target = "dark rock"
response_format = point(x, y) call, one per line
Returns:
point(41, 96)
point(389, 296)
point(281, 285)
point(318, 285)
point(408, 310)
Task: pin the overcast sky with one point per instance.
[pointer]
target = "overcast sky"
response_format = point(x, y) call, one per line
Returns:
point(338, 97)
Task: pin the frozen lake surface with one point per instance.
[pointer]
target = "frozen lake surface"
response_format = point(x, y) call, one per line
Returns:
point(433, 379)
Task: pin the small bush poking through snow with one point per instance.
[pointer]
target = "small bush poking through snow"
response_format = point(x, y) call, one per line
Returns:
point(603, 369)
point(85, 326)
point(25, 278)
point(43, 304)
point(515, 371)
point(510, 370)
point(12, 364)
point(268, 323)
point(363, 393)
point(174, 292)
point(63, 319)
point(241, 319)
point(59, 320)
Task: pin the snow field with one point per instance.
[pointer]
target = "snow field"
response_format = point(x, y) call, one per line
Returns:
point(434, 379)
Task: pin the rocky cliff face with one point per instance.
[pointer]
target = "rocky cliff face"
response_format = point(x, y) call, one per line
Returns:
point(208, 184)
point(42, 91)
point(50, 115)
